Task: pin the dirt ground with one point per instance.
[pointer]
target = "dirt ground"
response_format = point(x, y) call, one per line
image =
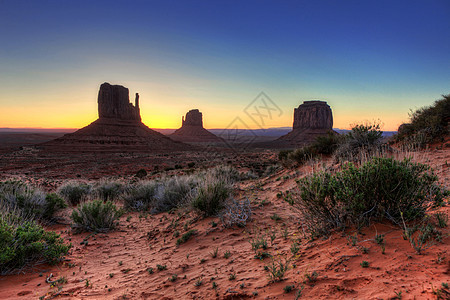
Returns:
point(123, 264)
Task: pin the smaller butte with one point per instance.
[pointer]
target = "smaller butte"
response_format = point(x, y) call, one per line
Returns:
point(311, 119)
point(192, 131)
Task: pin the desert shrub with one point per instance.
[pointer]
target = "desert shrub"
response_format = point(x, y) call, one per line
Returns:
point(53, 203)
point(141, 173)
point(24, 243)
point(32, 203)
point(427, 124)
point(236, 213)
point(278, 268)
point(162, 195)
point(74, 192)
point(270, 170)
point(382, 188)
point(109, 190)
point(302, 155)
point(363, 137)
point(140, 196)
point(173, 192)
point(186, 236)
point(204, 191)
point(326, 144)
point(283, 154)
point(211, 196)
point(96, 216)
point(224, 173)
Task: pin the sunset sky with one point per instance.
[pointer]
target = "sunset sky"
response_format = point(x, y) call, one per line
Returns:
point(369, 60)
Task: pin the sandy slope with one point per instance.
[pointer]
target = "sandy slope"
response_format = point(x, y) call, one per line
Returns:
point(143, 241)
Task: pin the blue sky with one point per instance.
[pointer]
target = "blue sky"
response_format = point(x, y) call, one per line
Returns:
point(368, 59)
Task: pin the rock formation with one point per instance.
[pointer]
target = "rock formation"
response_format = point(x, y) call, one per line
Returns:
point(192, 130)
point(311, 119)
point(118, 128)
point(114, 103)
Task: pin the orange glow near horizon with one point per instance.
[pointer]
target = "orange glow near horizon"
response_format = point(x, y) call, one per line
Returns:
point(52, 118)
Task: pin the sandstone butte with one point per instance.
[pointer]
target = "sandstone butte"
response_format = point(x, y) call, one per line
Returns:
point(118, 128)
point(192, 131)
point(311, 119)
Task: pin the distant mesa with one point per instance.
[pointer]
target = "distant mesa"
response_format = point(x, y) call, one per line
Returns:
point(311, 119)
point(118, 127)
point(192, 131)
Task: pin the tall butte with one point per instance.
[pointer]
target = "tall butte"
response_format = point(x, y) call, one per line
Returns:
point(118, 128)
point(192, 131)
point(311, 119)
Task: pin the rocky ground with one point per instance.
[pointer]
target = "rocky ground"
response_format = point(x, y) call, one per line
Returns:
point(124, 264)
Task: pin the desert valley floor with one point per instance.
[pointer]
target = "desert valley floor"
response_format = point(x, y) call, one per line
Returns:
point(116, 265)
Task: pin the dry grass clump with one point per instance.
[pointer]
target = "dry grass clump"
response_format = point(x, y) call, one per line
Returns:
point(32, 203)
point(109, 190)
point(96, 216)
point(75, 192)
point(206, 192)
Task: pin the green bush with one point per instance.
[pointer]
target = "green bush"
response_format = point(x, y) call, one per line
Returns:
point(186, 236)
point(362, 137)
point(25, 243)
point(326, 144)
point(74, 192)
point(211, 197)
point(32, 203)
point(96, 216)
point(53, 203)
point(382, 188)
point(427, 124)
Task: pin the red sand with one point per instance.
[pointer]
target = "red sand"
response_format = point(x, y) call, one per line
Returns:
point(143, 242)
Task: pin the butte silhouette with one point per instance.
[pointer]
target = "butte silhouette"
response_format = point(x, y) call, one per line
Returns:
point(118, 128)
point(311, 119)
point(192, 130)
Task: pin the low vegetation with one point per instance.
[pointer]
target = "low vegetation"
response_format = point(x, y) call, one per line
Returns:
point(207, 192)
point(75, 192)
point(382, 188)
point(24, 243)
point(362, 138)
point(109, 190)
point(30, 202)
point(96, 216)
point(427, 124)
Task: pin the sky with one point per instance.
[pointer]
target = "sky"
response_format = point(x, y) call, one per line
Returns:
point(370, 60)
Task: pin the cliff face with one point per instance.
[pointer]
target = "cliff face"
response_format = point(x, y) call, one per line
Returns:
point(311, 119)
point(192, 130)
point(118, 128)
point(114, 103)
point(193, 118)
point(314, 115)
